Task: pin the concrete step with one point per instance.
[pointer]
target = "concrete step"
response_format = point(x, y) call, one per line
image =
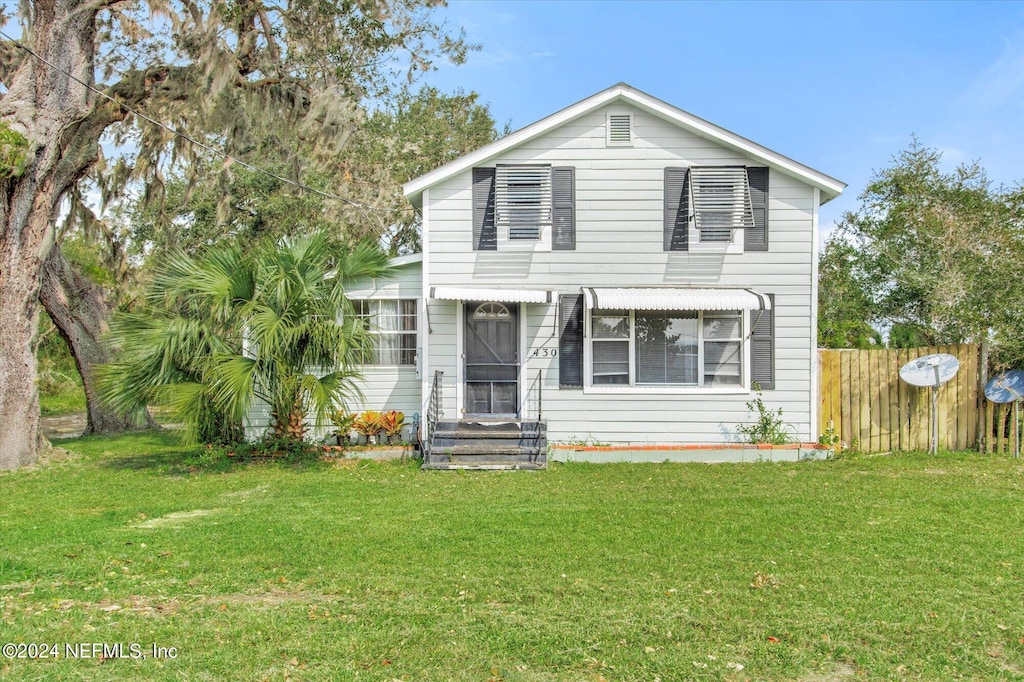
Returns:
point(451, 439)
point(484, 466)
point(489, 426)
point(476, 450)
point(488, 444)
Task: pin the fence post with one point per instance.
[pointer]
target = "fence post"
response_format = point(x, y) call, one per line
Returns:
point(983, 434)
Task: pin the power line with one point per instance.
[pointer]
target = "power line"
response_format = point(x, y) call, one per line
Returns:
point(362, 207)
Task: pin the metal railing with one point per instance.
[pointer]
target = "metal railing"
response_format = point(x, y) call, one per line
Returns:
point(534, 403)
point(435, 411)
point(540, 396)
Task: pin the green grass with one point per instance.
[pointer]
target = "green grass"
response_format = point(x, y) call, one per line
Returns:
point(65, 401)
point(886, 567)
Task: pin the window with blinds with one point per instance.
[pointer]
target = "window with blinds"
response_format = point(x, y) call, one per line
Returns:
point(667, 348)
point(723, 338)
point(610, 337)
point(523, 200)
point(720, 201)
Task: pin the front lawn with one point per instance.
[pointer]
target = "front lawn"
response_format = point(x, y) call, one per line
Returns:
point(906, 566)
point(66, 401)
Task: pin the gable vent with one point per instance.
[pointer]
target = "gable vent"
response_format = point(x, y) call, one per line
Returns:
point(620, 129)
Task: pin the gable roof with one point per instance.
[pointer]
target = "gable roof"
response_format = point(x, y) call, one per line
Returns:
point(829, 186)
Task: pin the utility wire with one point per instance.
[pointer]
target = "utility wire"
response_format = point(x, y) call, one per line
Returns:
point(363, 208)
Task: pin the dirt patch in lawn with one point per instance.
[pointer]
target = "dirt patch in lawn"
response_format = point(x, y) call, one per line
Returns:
point(244, 495)
point(842, 671)
point(175, 519)
point(163, 606)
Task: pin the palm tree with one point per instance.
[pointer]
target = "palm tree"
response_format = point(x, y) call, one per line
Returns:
point(227, 329)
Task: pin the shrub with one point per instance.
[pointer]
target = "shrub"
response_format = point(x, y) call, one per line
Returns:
point(368, 423)
point(391, 422)
point(769, 426)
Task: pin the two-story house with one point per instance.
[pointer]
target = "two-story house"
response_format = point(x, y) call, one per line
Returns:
point(619, 273)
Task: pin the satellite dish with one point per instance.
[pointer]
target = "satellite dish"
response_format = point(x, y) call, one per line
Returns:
point(930, 371)
point(1008, 387)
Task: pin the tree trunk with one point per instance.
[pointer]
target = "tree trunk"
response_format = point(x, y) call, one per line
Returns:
point(290, 423)
point(20, 439)
point(55, 114)
point(81, 313)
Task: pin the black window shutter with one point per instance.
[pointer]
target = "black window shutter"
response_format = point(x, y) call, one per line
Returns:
point(677, 209)
point(563, 209)
point(485, 233)
point(762, 346)
point(756, 238)
point(570, 341)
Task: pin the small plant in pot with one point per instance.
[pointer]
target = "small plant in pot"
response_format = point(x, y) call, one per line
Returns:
point(392, 422)
point(343, 422)
point(368, 425)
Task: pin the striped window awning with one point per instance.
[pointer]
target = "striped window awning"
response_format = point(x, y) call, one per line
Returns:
point(677, 298)
point(502, 295)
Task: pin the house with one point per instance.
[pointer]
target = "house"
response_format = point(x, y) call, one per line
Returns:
point(620, 273)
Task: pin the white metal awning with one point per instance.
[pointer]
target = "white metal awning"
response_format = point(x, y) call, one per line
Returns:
point(502, 295)
point(679, 298)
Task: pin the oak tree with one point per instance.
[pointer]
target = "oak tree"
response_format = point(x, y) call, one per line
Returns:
point(241, 76)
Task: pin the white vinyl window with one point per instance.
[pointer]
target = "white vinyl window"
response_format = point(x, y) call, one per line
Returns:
point(611, 341)
point(720, 202)
point(522, 201)
point(722, 348)
point(685, 348)
point(392, 325)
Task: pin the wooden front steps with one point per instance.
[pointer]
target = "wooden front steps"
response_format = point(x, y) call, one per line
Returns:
point(488, 444)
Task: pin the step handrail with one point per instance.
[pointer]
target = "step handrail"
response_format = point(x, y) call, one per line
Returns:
point(540, 395)
point(435, 411)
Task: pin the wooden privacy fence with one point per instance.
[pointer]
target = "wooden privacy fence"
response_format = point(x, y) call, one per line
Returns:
point(872, 410)
point(999, 420)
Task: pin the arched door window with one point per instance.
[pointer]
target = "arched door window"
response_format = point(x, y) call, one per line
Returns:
point(491, 311)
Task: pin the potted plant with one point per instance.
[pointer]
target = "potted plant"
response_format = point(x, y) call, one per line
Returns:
point(343, 422)
point(391, 423)
point(368, 424)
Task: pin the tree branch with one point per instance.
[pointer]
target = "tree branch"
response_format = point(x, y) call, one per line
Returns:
point(268, 32)
point(11, 58)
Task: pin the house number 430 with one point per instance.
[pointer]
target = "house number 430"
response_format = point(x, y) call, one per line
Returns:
point(545, 352)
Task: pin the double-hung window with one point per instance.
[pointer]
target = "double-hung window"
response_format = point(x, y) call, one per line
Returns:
point(684, 348)
point(611, 342)
point(523, 201)
point(391, 324)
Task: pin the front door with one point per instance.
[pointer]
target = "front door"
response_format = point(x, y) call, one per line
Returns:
point(492, 359)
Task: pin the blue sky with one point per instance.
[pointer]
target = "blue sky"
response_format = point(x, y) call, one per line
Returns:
point(839, 86)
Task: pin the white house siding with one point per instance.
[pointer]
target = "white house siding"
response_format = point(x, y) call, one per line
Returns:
point(442, 340)
point(619, 242)
point(392, 388)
